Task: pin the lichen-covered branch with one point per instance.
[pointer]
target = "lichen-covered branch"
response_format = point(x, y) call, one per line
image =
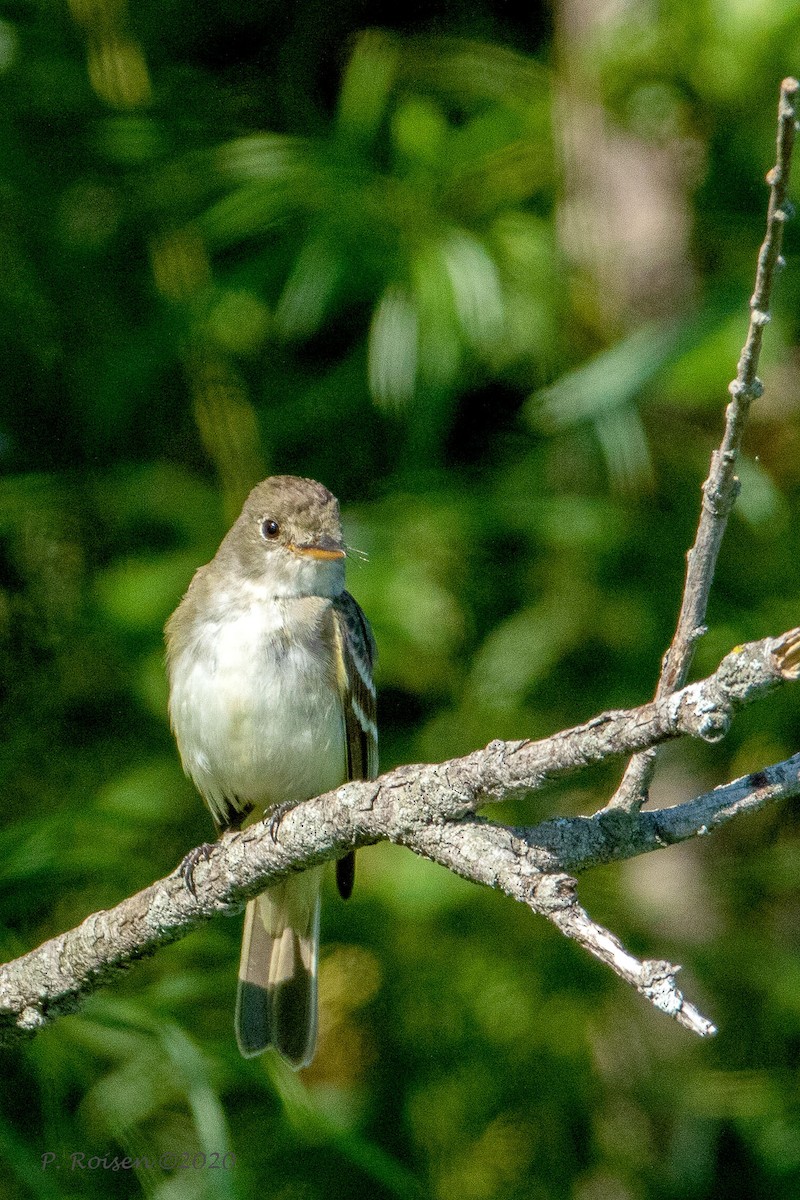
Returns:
point(431, 809)
point(523, 865)
point(722, 486)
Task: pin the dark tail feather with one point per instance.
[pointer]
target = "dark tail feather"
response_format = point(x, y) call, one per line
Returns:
point(346, 874)
point(276, 1003)
point(252, 1020)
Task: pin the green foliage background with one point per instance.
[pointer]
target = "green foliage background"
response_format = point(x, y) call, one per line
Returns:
point(238, 239)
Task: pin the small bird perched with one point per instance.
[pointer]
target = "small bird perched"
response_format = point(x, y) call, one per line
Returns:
point(272, 702)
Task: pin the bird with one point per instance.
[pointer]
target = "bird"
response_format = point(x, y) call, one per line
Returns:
point(272, 701)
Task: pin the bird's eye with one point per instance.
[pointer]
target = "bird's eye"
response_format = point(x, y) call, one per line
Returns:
point(270, 529)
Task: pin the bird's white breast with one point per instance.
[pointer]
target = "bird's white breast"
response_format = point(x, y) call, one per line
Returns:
point(256, 714)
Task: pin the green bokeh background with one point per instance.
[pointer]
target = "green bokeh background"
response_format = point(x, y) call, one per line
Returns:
point(486, 276)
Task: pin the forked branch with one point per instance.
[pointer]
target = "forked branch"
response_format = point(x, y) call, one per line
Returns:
point(431, 809)
point(722, 486)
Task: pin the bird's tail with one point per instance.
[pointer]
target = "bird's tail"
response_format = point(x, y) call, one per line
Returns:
point(276, 1002)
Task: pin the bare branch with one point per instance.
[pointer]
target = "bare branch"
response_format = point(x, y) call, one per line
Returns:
point(431, 810)
point(653, 979)
point(722, 486)
point(576, 843)
point(524, 866)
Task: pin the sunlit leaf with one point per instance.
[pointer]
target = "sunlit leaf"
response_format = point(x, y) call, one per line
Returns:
point(440, 338)
point(239, 320)
point(624, 441)
point(477, 290)
point(305, 299)
point(271, 157)
point(367, 84)
point(249, 210)
point(393, 347)
point(419, 130)
point(611, 379)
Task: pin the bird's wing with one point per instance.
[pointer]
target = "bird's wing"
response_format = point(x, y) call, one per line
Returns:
point(355, 657)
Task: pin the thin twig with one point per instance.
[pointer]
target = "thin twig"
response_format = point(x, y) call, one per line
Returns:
point(516, 862)
point(722, 486)
point(653, 978)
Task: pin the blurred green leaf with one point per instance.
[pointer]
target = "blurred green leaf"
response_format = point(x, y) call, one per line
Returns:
point(366, 86)
point(394, 347)
point(395, 257)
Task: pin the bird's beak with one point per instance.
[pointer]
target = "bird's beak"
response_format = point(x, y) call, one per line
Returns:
point(324, 547)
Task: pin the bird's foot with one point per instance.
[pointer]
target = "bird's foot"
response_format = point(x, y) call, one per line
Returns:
point(186, 869)
point(276, 815)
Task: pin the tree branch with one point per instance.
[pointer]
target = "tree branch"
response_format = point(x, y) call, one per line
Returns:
point(431, 810)
point(722, 486)
point(524, 865)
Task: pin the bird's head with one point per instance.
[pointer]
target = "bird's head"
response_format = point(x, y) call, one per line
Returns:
point(289, 536)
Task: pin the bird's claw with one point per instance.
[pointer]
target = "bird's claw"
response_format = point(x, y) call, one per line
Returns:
point(276, 816)
point(186, 869)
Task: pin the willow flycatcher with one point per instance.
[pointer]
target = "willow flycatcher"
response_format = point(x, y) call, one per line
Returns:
point(272, 702)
